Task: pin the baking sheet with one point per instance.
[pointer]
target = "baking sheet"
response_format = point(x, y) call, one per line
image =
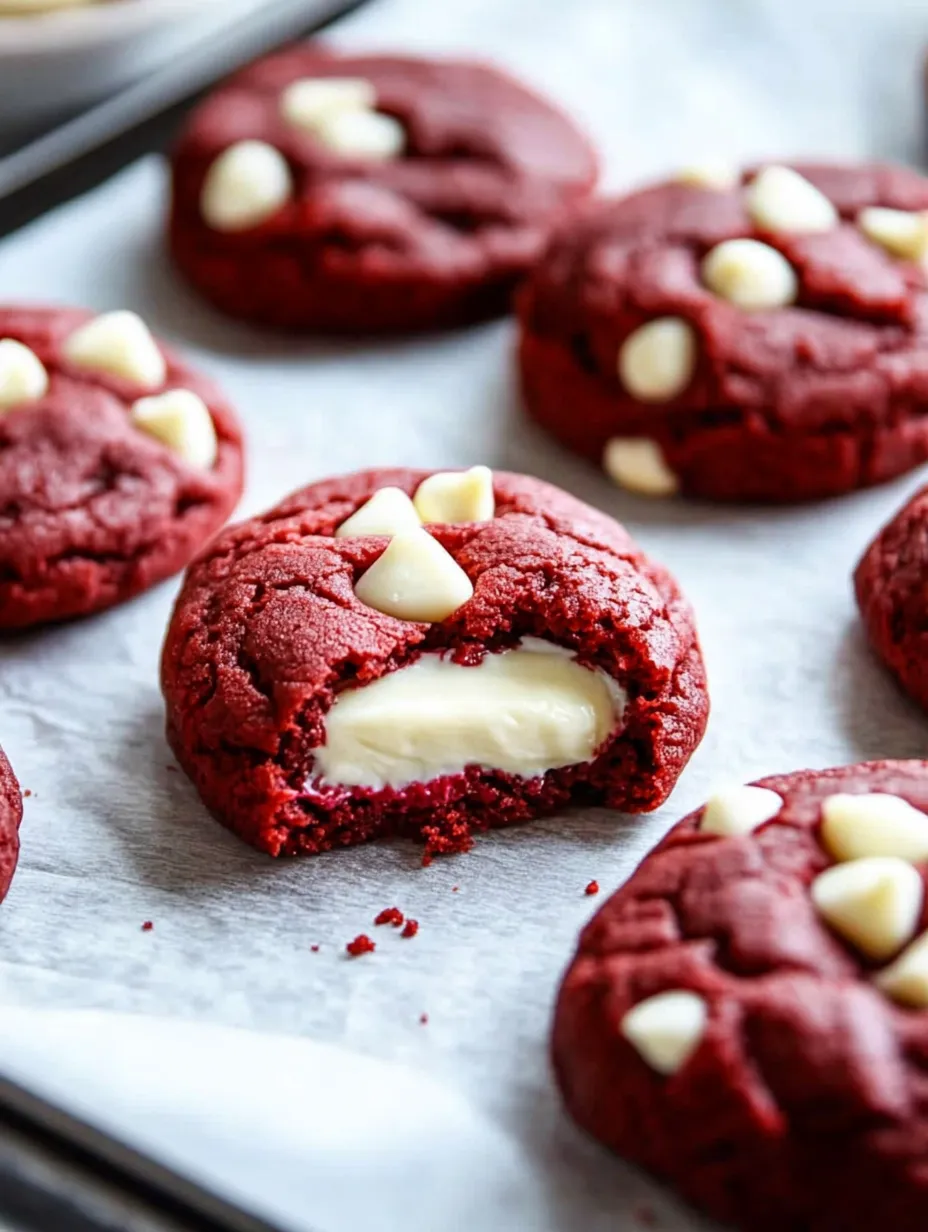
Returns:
point(114, 836)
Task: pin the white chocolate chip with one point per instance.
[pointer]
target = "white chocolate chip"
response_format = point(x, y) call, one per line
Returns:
point(118, 343)
point(388, 512)
point(456, 496)
point(22, 375)
point(362, 134)
point(714, 175)
point(780, 199)
point(906, 980)
point(523, 711)
point(415, 579)
point(873, 903)
point(667, 1029)
point(656, 361)
point(304, 102)
point(901, 233)
point(246, 185)
point(181, 420)
point(874, 824)
point(739, 810)
point(637, 463)
point(750, 274)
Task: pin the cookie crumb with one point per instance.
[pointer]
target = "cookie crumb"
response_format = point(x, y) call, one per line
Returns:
point(362, 944)
point(592, 888)
point(454, 889)
point(147, 926)
point(423, 1018)
point(314, 948)
point(390, 915)
point(412, 927)
point(26, 794)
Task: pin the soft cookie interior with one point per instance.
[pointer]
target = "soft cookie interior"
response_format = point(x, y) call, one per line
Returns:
point(522, 710)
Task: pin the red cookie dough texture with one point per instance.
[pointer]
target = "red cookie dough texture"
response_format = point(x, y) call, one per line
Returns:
point(890, 586)
point(11, 814)
point(749, 337)
point(748, 1016)
point(117, 462)
point(270, 643)
point(319, 192)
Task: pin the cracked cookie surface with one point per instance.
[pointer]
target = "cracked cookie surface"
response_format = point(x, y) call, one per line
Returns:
point(350, 236)
point(268, 632)
point(94, 510)
point(781, 1083)
point(793, 363)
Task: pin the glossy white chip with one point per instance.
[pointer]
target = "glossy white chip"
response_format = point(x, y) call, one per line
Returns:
point(305, 102)
point(362, 134)
point(902, 233)
point(906, 980)
point(714, 175)
point(415, 579)
point(245, 186)
point(456, 496)
point(119, 344)
point(181, 420)
point(388, 512)
point(780, 199)
point(22, 375)
point(523, 711)
point(739, 810)
point(750, 274)
point(637, 463)
point(873, 903)
point(874, 824)
point(656, 361)
point(667, 1029)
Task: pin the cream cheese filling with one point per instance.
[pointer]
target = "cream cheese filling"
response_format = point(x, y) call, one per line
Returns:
point(523, 711)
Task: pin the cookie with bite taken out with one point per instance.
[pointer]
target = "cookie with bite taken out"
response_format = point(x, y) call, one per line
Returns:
point(430, 654)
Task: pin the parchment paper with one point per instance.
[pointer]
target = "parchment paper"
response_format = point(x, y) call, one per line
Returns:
point(113, 836)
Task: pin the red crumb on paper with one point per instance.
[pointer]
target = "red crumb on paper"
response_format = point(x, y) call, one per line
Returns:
point(147, 926)
point(27, 793)
point(423, 1018)
point(453, 837)
point(362, 944)
point(412, 927)
point(592, 888)
point(454, 889)
point(390, 915)
point(314, 948)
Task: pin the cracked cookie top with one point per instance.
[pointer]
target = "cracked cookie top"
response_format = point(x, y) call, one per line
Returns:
point(117, 462)
point(747, 1014)
point(331, 591)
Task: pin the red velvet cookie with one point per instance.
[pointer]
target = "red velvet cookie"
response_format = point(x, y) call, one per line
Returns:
point(11, 814)
point(357, 663)
point(748, 1016)
point(891, 595)
point(117, 462)
point(323, 192)
point(755, 337)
